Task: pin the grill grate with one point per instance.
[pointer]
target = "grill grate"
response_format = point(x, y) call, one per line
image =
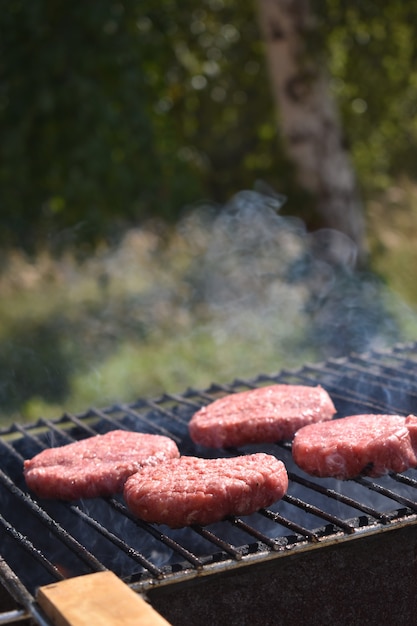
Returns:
point(47, 541)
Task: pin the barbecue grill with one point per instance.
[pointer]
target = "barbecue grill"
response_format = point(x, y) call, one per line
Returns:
point(330, 552)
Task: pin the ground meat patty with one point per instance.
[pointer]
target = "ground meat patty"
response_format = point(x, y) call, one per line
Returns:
point(267, 414)
point(371, 445)
point(97, 466)
point(191, 490)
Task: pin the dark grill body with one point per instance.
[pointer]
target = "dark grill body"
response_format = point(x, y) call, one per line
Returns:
point(329, 552)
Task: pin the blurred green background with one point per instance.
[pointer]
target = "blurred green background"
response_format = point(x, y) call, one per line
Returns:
point(126, 128)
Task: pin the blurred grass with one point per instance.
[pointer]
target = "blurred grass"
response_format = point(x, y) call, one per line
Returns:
point(393, 236)
point(129, 322)
point(134, 320)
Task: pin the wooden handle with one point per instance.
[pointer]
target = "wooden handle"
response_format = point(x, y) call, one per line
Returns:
point(100, 598)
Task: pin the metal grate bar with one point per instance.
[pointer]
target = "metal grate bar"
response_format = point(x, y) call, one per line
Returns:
point(205, 395)
point(360, 383)
point(236, 553)
point(72, 543)
point(116, 424)
point(178, 399)
point(64, 434)
point(154, 405)
point(315, 510)
point(155, 427)
point(388, 493)
point(374, 380)
point(140, 558)
point(27, 545)
point(402, 369)
point(122, 545)
point(23, 431)
point(253, 532)
point(170, 543)
point(12, 617)
point(66, 538)
point(16, 589)
point(382, 517)
point(246, 383)
point(291, 525)
point(407, 480)
point(125, 547)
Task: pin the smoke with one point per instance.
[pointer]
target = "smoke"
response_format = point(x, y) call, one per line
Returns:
point(233, 292)
point(261, 275)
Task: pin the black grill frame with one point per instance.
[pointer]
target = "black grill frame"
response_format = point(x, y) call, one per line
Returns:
point(376, 382)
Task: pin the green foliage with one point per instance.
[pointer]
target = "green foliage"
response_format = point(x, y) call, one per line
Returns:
point(137, 320)
point(21, 373)
point(114, 112)
point(372, 58)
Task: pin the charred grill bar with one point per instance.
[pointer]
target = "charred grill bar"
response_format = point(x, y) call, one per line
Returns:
point(329, 552)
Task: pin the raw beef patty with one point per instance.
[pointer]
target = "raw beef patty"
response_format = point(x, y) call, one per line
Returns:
point(191, 490)
point(97, 466)
point(267, 414)
point(371, 445)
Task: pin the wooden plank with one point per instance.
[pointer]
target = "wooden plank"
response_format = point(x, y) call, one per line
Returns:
point(99, 598)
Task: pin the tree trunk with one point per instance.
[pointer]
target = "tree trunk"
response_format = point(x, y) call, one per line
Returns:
point(308, 118)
